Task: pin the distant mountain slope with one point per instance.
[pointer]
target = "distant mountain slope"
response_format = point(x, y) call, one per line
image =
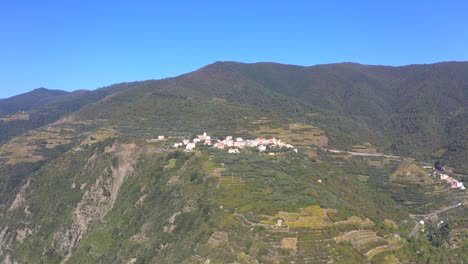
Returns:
point(405, 110)
point(45, 106)
point(347, 87)
point(408, 108)
point(30, 100)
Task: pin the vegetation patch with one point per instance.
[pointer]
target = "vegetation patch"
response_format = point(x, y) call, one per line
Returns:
point(14, 117)
point(289, 243)
point(356, 221)
point(99, 135)
point(309, 217)
point(366, 148)
point(378, 250)
point(362, 240)
point(409, 172)
point(296, 134)
point(29, 147)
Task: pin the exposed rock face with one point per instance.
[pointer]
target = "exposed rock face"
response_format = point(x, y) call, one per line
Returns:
point(19, 199)
point(99, 199)
point(6, 240)
point(22, 234)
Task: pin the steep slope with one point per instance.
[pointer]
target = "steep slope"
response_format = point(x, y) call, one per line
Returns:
point(138, 202)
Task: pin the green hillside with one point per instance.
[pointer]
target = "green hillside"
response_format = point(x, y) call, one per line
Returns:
point(411, 110)
point(28, 101)
point(88, 183)
point(42, 106)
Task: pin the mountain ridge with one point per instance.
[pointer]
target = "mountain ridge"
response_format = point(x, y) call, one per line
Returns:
point(379, 102)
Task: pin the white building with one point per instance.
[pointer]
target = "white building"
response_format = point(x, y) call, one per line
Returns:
point(261, 148)
point(203, 137)
point(190, 146)
point(233, 150)
point(252, 143)
point(229, 142)
point(239, 144)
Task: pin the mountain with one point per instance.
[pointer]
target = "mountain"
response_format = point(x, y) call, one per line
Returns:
point(42, 106)
point(411, 110)
point(82, 179)
point(31, 100)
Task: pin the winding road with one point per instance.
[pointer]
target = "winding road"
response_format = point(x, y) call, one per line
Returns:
point(429, 216)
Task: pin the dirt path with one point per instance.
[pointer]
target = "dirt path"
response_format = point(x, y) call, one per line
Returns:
point(362, 154)
point(415, 229)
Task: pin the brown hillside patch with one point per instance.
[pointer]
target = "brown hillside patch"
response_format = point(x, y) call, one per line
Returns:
point(289, 243)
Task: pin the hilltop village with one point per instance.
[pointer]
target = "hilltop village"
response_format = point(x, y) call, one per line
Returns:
point(233, 145)
point(451, 182)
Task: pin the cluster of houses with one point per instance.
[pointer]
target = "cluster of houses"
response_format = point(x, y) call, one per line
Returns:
point(451, 182)
point(234, 145)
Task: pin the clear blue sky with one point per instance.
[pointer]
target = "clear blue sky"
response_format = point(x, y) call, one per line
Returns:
point(81, 44)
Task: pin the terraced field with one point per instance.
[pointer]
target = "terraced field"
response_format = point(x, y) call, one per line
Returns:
point(367, 242)
point(296, 134)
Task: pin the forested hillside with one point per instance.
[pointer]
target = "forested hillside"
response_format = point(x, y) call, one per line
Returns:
point(415, 110)
point(85, 179)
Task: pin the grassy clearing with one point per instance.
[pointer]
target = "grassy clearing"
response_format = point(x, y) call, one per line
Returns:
point(309, 217)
